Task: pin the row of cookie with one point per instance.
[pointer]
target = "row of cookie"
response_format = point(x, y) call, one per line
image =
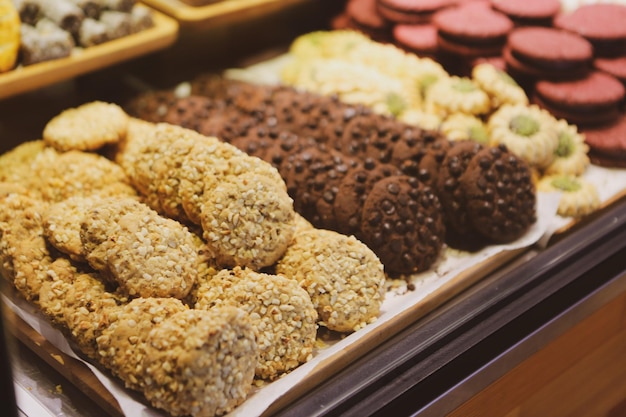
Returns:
point(336, 158)
point(237, 202)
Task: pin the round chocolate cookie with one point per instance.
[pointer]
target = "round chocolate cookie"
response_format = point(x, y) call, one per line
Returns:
point(313, 177)
point(370, 135)
point(403, 224)
point(150, 106)
point(607, 143)
point(528, 12)
point(499, 194)
point(450, 190)
point(190, 112)
point(353, 190)
point(419, 153)
point(364, 17)
point(410, 11)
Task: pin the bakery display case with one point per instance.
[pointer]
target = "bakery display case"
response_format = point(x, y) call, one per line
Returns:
point(530, 324)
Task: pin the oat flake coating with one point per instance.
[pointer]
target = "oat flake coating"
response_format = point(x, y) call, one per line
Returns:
point(15, 164)
point(200, 362)
point(121, 346)
point(87, 127)
point(248, 220)
point(79, 303)
point(57, 176)
point(146, 254)
point(24, 253)
point(344, 277)
point(281, 311)
point(62, 223)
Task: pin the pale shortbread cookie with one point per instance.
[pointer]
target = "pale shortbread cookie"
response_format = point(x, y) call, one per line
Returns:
point(460, 126)
point(570, 157)
point(87, 127)
point(146, 254)
point(579, 197)
point(502, 89)
point(528, 131)
point(200, 362)
point(449, 95)
point(344, 278)
point(121, 346)
point(281, 311)
point(248, 220)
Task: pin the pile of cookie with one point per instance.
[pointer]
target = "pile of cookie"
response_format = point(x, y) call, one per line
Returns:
point(396, 187)
point(52, 29)
point(176, 262)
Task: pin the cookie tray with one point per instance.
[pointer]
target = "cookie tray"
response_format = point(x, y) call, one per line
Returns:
point(28, 78)
point(218, 10)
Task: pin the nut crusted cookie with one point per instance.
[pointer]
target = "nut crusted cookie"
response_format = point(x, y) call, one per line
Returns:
point(57, 176)
point(248, 220)
point(24, 253)
point(79, 303)
point(403, 224)
point(200, 362)
point(146, 254)
point(87, 127)
point(499, 194)
point(62, 225)
point(121, 346)
point(344, 278)
point(280, 310)
point(15, 164)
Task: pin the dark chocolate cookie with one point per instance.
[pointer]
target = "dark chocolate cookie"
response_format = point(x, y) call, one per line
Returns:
point(451, 191)
point(353, 190)
point(500, 194)
point(420, 153)
point(403, 224)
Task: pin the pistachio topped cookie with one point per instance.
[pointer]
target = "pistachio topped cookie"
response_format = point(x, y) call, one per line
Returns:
point(528, 131)
point(457, 94)
point(579, 197)
point(570, 157)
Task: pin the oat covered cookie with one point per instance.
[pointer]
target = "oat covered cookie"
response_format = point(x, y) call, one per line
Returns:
point(579, 197)
point(146, 254)
point(200, 362)
point(56, 176)
point(344, 278)
point(121, 346)
point(78, 302)
point(280, 310)
point(15, 164)
point(24, 253)
point(248, 220)
point(87, 127)
point(62, 224)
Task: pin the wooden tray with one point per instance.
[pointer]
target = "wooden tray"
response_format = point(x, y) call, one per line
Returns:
point(218, 10)
point(28, 78)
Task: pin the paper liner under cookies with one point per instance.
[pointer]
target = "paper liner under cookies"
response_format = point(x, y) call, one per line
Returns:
point(454, 272)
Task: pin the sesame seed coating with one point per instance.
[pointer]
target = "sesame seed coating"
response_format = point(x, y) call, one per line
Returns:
point(248, 220)
point(344, 277)
point(121, 346)
point(281, 311)
point(200, 362)
point(146, 254)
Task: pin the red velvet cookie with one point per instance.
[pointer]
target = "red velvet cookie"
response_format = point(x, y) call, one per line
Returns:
point(614, 66)
point(528, 12)
point(548, 53)
point(472, 30)
point(603, 24)
point(410, 11)
point(593, 99)
point(364, 17)
point(607, 143)
point(420, 39)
